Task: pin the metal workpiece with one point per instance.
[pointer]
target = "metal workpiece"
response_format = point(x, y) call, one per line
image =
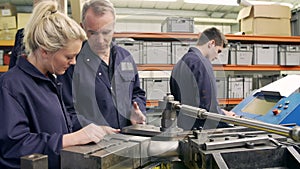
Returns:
point(163, 148)
point(112, 152)
point(34, 161)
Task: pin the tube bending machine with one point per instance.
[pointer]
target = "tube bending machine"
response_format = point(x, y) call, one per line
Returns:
point(248, 143)
point(276, 103)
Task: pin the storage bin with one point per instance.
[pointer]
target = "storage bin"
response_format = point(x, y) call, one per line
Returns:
point(179, 49)
point(239, 87)
point(289, 55)
point(222, 57)
point(135, 48)
point(177, 24)
point(157, 52)
point(295, 22)
point(156, 88)
point(241, 54)
point(221, 83)
point(263, 80)
point(265, 54)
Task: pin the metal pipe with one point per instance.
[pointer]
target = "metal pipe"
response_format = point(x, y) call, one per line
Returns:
point(293, 133)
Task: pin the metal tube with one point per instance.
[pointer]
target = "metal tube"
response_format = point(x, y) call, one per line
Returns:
point(293, 133)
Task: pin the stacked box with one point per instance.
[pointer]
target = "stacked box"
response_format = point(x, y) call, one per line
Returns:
point(265, 20)
point(157, 53)
point(135, 48)
point(156, 88)
point(289, 55)
point(179, 49)
point(221, 83)
point(7, 27)
point(8, 22)
point(241, 54)
point(295, 22)
point(7, 9)
point(239, 87)
point(248, 86)
point(22, 19)
point(261, 81)
point(177, 24)
point(222, 57)
point(235, 87)
point(265, 54)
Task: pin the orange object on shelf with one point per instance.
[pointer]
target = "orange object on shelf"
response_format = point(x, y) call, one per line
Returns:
point(6, 59)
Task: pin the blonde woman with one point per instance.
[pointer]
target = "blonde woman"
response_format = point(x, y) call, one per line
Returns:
point(33, 117)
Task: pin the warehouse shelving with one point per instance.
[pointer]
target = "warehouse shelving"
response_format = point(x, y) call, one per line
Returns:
point(149, 36)
point(3, 68)
point(7, 43)
point(153, 36)
point(193, 36)
point(169, 67)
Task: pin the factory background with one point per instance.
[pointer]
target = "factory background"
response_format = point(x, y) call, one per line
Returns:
point(158, 33)
point(264, 47)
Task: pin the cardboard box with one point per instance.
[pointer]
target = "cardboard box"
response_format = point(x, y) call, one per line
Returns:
point(265, 20)
point(7, 22)
point(76, 7)
point(7, 9)
point(22, 19)
point(8, 34)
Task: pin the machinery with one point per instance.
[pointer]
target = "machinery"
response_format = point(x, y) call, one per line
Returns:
point(248, 144)
point(276, 103)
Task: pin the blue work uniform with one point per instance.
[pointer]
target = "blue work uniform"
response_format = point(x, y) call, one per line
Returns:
point(33, 117)
point(193, 83)
point(101, 93)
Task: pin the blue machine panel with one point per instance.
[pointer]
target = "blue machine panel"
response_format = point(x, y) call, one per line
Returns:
point(270, 108)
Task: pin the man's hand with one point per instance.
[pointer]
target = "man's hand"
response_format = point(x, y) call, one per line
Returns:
point(137, 117)
point(228, 113)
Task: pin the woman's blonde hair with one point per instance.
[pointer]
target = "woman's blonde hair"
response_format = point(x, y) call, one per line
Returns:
point(50, 29)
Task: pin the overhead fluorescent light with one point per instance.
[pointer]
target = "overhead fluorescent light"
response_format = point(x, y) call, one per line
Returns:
point(214, 2)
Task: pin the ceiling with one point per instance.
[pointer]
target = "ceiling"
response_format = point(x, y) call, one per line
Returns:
point(151, 10)
point(180, 8)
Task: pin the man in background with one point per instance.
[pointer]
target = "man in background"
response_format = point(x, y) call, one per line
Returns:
point(193, 82)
